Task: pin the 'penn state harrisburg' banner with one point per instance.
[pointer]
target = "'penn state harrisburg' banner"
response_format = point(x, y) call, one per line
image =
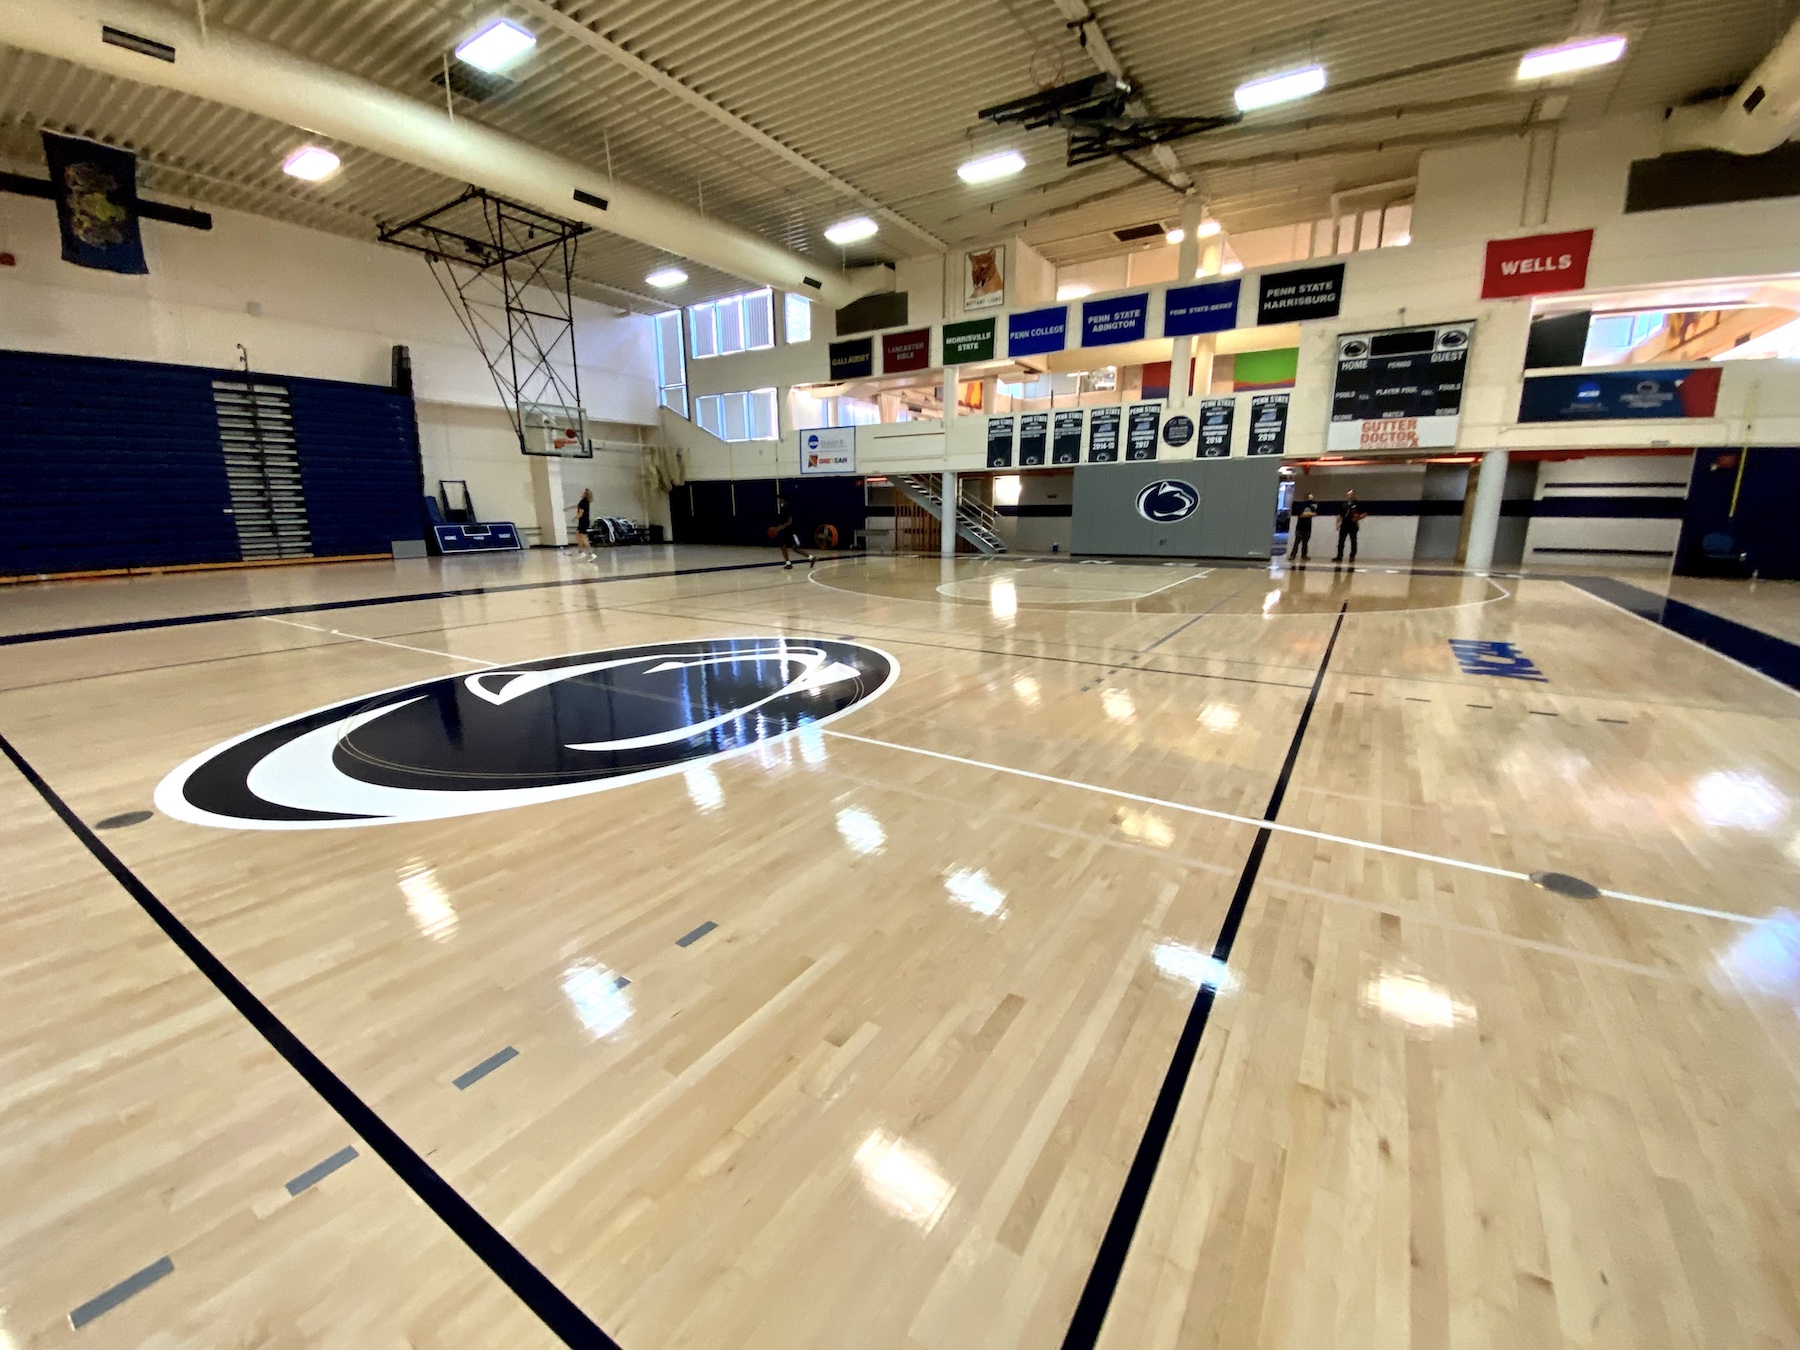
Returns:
point(95, 188)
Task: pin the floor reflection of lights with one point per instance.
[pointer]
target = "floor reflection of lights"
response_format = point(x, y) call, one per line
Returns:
point(1412, 1000)
point(861, 830)
point(1147, 827)
point(972, 889)
point(903, 1180)
point(597, 996)
point(704, 789)
point(1192, 966)
point(430, 908)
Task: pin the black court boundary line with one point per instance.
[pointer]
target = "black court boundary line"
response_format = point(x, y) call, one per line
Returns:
point(366, 602)
point(554, 1308)
point(1109, 1261)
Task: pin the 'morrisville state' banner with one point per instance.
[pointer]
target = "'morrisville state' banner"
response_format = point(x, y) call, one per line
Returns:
point(95, 188)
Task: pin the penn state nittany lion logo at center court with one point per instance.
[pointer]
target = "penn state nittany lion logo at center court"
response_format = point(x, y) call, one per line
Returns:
point(1168, 500)
point(515, 735)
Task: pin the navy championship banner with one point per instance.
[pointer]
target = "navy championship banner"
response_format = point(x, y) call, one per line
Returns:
point(1034, 433)
point(1216, 417)
point(1065, 437)
point(999, 443)
point(1268, 424)
point(95, 187)
point(1103, 436)
point(1140, 430)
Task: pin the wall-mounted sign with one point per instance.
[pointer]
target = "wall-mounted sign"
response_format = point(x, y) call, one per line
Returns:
point(984, 278)
point(1168, 500)
point(1216, 417)
point(905, 351)
point(1037, 331)
point(1209, 308)
point(828, 450)
point(1103, 436)
point(1034, 436)
point(1399, 389)
point(1619, 395)
point(1305, 293)
point(1140, 430)
point(852, 358)
point(967, 342)
point(1178, 431)
point(1268, 423)
point(1000, 438)
point(1538, 264)
point(1118, 319)
point(1065, 437)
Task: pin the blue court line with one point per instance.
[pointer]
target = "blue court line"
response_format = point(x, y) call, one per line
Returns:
point(313, 1175)
point(1763, 652)
point(468, 1078)
point(124, 1289)
point(321, 607)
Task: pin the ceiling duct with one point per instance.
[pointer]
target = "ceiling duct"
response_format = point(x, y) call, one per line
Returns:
point(239, 72)
point(1761, 115)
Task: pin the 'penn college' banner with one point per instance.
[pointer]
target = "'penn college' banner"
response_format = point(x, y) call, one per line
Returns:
point(95, 187)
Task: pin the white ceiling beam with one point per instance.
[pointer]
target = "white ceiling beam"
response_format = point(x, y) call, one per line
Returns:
point(612, 51)
point(1100, 51)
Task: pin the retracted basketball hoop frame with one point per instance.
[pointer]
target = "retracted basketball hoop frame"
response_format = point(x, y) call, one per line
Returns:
point(506, 270)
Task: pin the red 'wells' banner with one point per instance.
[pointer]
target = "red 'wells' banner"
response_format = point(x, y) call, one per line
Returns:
point(1536, 265)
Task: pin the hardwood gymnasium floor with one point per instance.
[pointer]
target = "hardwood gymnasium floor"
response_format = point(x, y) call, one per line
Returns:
point(1126, 955)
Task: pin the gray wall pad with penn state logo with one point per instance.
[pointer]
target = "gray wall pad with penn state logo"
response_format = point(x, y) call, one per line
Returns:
point(1235, 517)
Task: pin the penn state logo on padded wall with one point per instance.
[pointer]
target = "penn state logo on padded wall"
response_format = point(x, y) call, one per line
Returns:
point(1168, 500)
point(515, 735)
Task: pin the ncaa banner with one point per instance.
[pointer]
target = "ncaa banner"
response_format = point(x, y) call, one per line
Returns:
point(95, 187)
point(828, 450)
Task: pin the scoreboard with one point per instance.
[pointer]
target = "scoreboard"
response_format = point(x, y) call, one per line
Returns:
point(1399, 389)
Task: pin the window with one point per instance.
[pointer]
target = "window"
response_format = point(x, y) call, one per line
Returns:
point(671, 365)
point(738, 323)
point(746, 416)
point(796, 318)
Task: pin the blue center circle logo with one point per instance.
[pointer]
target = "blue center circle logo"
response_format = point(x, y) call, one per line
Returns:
point(535, 731)
point(1168, 500)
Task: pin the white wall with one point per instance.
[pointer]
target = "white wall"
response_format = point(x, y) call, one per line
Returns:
point(312, 304)
point(1605, 541)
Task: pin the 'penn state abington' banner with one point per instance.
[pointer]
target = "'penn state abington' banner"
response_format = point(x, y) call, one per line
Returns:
point(95, 187)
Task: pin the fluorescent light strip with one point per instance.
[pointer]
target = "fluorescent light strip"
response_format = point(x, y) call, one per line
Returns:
point(1283, 88)
point(989, 168)
point(496, 46)
point(1568, 57)
point(664, 277)
point(312, 163)
point(852, 231)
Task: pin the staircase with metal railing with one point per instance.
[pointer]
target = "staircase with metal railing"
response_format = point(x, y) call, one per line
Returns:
point(975, 521)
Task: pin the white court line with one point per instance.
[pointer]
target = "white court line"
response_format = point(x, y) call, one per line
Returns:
point(381, 642)
point(1279, 828)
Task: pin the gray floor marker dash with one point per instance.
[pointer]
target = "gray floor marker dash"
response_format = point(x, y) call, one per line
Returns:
point(124, 1289)
point(312, 1176)
point(693, 937)
point(473, 1076)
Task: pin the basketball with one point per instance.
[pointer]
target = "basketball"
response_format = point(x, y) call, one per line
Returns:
point(773, 530)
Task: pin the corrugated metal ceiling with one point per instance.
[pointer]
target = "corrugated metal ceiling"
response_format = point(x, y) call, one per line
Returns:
point(884, 97)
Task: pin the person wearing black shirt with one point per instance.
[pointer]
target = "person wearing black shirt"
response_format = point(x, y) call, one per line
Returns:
point(782, 531)
point(1302, 521)
point(1350, 519)
point(584, 520)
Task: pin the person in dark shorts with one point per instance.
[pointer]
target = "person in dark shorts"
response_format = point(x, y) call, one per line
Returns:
point(584, 520)
point(1350, 519)
point(1301, 548)
point(782, 531)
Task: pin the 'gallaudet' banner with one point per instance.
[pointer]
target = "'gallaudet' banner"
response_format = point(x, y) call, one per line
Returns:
point(1536, 265)
point(852, 358)
point(1118, 319)
point(1037, 331)
point(1210, 308)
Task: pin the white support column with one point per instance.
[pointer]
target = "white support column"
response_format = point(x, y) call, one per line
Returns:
point(547, 499)
point(948, 545)
point(1484, 514)
point(1187, 262)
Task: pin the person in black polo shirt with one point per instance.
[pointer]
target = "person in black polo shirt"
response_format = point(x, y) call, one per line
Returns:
point(1350, 519)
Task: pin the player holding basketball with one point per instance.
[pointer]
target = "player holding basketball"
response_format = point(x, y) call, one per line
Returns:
point(782, 531)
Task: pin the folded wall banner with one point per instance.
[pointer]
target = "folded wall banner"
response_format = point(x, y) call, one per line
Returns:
point(1037, 331)
point(1304, 293)
point(1118, 319)
point(1619, 395)
point(96, 204)
point(1208, 308)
